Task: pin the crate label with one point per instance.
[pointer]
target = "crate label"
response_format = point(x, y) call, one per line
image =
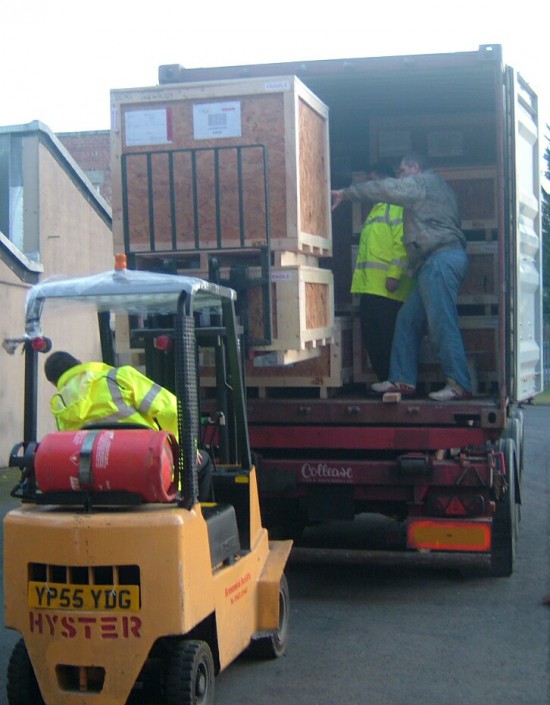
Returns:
point(268, 360)
point(281, 276)
point(144, 127)
point(217, 120)
point(275, 86)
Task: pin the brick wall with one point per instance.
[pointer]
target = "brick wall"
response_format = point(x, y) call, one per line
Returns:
point(92, 152)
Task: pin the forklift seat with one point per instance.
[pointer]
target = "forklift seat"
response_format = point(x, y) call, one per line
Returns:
point(223, 532)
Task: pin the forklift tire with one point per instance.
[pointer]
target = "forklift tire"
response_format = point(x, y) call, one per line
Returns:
point(274, 645)
point(190, 674)
point(505, 518)
point(22, 686)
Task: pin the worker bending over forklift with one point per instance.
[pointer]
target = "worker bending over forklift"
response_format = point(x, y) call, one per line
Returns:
point(93, 393)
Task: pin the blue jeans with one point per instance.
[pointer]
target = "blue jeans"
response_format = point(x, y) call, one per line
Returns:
point(432, 303)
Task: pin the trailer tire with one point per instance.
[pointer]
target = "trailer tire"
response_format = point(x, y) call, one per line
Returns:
point(189, 674)
point(514, 431)
point(274, 645)
point(505, 518)
point(22, 686)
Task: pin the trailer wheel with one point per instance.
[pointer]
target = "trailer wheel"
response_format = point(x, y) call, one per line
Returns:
point(274, 645)
point(190, 674)
point(515, 432)
point(505, 519)
point(22, 686)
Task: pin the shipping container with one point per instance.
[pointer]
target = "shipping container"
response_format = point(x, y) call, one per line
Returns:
point(450, 472)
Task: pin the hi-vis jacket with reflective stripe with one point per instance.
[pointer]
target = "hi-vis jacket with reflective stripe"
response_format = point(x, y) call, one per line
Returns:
point(94, 391)
point(382, 254)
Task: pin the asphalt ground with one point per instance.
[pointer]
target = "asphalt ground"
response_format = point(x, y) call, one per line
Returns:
point(404, 633)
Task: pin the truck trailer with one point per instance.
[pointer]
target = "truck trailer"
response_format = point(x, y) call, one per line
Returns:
point(211, 174)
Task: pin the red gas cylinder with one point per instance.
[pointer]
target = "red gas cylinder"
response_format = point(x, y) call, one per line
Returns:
point(131, 460)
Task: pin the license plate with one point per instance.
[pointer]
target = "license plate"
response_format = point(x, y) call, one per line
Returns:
point(84, 598)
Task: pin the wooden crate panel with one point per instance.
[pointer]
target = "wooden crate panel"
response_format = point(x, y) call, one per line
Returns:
point(476, 192)
point(188, 186)
point(480, 336)
point(475, 189)
point(461, 148)
point(302, 308)
point(313, 157)
point(481, 283)
point(332, 368)
point(446, 138)
point(269, 360)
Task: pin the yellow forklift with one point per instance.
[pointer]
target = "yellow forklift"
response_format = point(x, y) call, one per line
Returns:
point(124, 587)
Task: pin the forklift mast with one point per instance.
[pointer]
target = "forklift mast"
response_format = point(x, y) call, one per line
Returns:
point(167, 307)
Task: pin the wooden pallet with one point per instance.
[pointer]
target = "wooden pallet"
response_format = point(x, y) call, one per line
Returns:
point(267, 374)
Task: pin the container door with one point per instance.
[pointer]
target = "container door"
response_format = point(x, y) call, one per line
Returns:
point(525, 240)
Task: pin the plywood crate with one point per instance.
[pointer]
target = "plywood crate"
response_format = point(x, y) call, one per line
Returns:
point(331, 369)
point(481, 342)
point(476, 193)
point(302, 308)
point(188, 166)
point(481, 284)
point(482, 280)
point(461, 148)
point(302, 312)
point(462, 140)
point(480, 336)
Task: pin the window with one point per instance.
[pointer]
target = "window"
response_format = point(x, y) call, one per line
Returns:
point(11, 188)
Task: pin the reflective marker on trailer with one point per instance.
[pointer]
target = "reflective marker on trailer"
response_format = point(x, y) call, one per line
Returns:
point(445, 535)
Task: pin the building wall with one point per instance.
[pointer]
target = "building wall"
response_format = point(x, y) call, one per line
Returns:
point(92, 151)
point(73, 233)
point(12, 367)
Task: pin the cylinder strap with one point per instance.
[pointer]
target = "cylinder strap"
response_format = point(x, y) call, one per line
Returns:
point(85, 478)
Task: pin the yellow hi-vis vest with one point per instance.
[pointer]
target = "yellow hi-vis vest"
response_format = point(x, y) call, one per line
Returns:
point(381, 254)
point(94, 391)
